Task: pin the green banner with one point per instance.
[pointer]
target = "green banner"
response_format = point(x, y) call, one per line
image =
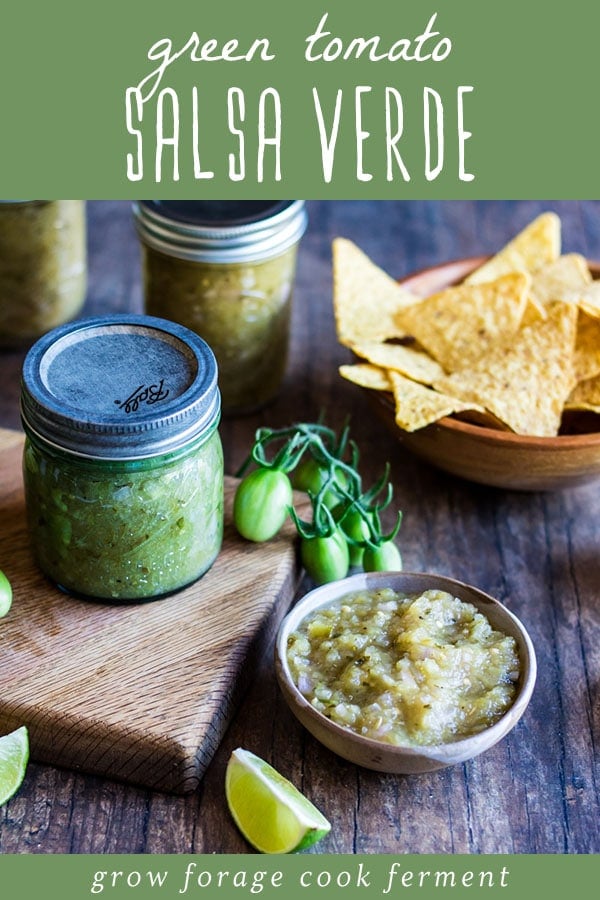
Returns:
point(403, 99)
point(302, 876)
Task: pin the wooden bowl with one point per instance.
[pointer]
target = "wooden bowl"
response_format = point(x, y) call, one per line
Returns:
point(492, 457)
point(378, 755)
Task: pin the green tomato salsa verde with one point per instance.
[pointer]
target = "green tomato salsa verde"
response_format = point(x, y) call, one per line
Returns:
point(123, 464)
point(125, 531)
point(406, 670)
point(42, 266)
point(241, 310)
point(225, 269)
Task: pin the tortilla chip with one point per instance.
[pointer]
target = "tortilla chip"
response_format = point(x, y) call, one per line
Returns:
point(588, 299)
point(519, 338)
point(560, 279)
point(418, 406)
point(365, 298)
point(532, 249)
point(534, 312)
point(526, 381)
point(413, 363)
point(460, 324)
point(586, 358)
point(557, 281)
point(367, 376)
point(586, 395)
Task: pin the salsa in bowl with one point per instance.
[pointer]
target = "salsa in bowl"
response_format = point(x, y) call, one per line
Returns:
point(404, 672)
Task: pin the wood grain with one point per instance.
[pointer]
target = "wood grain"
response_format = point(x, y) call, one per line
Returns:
point(138, 692)
point(536, 791)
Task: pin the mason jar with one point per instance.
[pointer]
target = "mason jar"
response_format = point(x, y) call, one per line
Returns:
point(43, 266)
point(123, 465)
point(226, 269)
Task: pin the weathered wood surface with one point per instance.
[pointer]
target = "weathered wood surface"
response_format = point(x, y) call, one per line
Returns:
point(536, 791)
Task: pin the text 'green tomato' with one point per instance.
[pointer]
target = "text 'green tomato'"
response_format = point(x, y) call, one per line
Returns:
point(261, 504)
point(325, 558)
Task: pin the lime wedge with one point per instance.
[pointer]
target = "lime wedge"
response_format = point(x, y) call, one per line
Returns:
point(14, 754)
point(270, 812)
point(5, 594)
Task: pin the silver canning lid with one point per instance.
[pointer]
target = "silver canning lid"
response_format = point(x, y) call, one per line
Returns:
point(220, 231)
point(120, 387)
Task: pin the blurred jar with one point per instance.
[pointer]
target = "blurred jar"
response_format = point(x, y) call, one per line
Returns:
point(225, 269)
point(43, 266)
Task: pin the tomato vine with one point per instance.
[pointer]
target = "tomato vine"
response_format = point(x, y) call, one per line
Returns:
point(345, 527)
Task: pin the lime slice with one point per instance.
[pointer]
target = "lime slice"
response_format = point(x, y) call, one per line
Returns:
point(270, 812)
point(5, 594)
point(14, 754)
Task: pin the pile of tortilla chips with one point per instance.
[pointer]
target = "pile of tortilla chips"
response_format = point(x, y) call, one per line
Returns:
point(511, 347)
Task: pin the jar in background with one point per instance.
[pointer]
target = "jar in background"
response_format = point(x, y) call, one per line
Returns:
point(123, 465)
point(225, 269)
point(43, 266)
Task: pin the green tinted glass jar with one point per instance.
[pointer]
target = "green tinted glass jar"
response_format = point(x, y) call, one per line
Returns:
point(226, 269)
point(42, 266)
point(123, 465)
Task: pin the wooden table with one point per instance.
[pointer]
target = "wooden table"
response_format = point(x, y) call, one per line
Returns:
point(536, 791)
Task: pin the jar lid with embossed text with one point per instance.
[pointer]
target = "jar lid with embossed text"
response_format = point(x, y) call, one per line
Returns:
point(123, 387)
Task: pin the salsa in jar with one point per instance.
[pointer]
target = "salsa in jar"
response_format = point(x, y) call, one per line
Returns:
point(226, 270)
point(43, 270)
point(123, 465)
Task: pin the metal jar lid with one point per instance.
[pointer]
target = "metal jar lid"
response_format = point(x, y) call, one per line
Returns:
point(120, 387)
point(220, 231)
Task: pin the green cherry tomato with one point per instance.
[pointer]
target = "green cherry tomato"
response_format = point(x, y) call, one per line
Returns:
point(353, 526)
point(261, 503)
point(385, 558)
point(5, 594)
point(325, 558)
point(310, 476)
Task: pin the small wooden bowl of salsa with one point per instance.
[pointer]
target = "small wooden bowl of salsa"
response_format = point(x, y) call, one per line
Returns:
point(404, 672)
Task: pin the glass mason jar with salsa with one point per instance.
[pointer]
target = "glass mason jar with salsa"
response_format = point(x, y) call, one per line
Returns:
point(43, 266)
point(123, 465)
point(225, 269)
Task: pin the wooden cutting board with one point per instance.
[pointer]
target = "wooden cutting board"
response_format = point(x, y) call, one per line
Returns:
point(141, 693)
